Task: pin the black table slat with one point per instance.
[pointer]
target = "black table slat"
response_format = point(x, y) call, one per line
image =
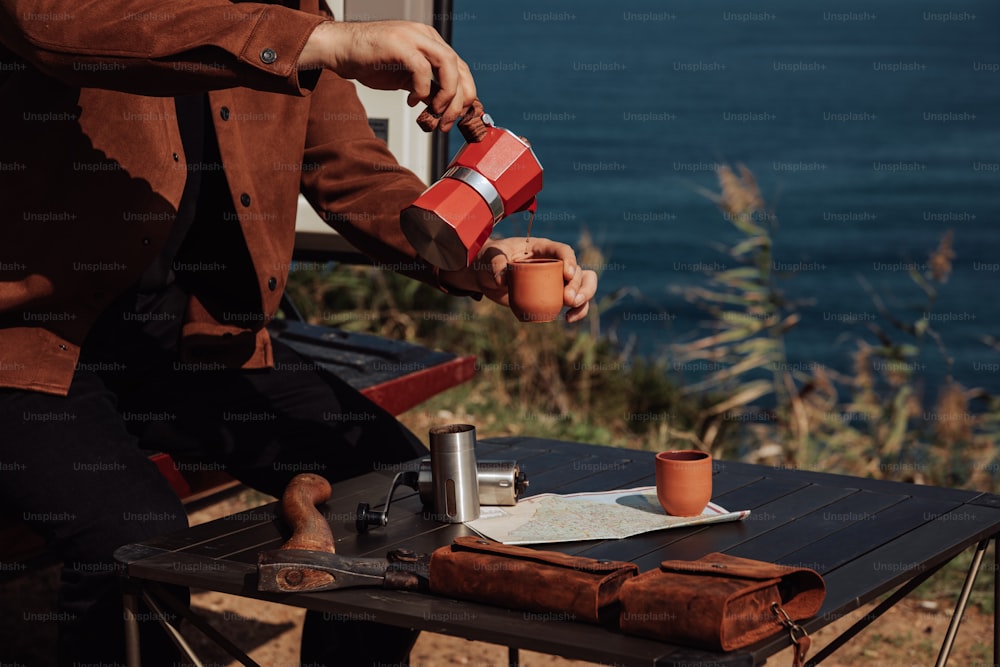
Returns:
point(775, 545)
point(875, 485)
point(253, 538)
point(518, 452)
point(595, 474)
point(487, 449)
point(861, 537)
point(890, 564)
point(554, 480)
point(757, 493)
point(724, 484)
point(373, 485)
point(986, 500)
point(547, 471)
point(211, 530)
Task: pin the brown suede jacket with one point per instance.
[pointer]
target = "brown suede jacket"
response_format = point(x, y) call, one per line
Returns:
point(92, 168)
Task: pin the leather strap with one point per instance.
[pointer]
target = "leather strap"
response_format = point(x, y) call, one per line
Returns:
point(800, 638)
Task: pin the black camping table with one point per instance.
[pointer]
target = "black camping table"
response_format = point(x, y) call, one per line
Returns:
point(868, 538)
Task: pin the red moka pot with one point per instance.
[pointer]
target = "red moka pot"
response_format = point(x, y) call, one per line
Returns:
point(486, 182)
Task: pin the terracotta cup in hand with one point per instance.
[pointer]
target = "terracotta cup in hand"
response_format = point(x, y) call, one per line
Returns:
point(684, 481)
point(535, 289)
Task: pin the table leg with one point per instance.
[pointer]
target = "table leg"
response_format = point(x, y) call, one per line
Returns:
point(171, 629)
point(130, 603)
point(513, 656)
point(873, 615)
point(963, 601)
point(200, 623)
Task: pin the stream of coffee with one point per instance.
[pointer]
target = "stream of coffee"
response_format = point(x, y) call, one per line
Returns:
point(527, 237)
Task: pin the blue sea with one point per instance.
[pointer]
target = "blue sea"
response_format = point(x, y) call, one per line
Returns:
point(873, 128)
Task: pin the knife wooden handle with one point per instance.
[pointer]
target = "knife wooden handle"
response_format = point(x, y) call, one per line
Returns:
point(310, 530)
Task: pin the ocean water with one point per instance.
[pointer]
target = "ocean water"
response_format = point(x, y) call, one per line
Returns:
point(873, 128)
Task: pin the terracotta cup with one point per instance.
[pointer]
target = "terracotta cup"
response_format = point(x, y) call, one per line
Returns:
point(535, 287)
point(684, 481)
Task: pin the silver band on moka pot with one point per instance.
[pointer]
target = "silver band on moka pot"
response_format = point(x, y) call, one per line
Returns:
point(454, 475)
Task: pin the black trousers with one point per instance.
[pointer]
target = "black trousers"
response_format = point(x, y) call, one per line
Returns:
point(77, 467)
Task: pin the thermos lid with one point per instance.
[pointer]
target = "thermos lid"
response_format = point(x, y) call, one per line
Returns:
point(452, 438)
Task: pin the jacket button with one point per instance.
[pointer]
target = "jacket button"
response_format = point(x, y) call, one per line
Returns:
point(272, 283)
point(146, 241)
point(268, 56)
point(224, 112)
point(245, 199)
point(177, 158)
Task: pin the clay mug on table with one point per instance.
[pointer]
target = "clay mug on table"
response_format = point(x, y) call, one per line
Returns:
point(535, 288)
point(684, 481)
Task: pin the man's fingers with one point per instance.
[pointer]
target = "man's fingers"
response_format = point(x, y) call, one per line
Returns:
point(447, 86)
point(577, 314)
point(498, 267)
point(454, 90)
point(588, 287)
point(580, 305)
point(548, 248)
point(440, 79)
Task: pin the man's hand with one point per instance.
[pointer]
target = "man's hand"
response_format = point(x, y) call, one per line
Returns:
point(395, 55)
point(488, 274)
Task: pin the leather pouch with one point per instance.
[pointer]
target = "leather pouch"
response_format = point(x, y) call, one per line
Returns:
point(574, 587)
point(720, 602)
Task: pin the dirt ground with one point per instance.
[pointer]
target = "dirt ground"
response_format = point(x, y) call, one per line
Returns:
point(907, 636)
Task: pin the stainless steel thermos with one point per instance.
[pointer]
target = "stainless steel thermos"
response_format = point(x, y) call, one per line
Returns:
point(453, 470)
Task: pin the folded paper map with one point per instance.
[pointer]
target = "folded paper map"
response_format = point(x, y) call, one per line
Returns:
point(550, 517)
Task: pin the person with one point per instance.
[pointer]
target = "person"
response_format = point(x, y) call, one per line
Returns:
point(152, 155)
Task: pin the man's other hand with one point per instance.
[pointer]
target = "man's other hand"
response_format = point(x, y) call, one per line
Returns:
point(488, 273)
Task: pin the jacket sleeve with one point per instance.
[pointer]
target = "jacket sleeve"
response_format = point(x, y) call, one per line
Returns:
point(355, 183)
point(162, 47)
